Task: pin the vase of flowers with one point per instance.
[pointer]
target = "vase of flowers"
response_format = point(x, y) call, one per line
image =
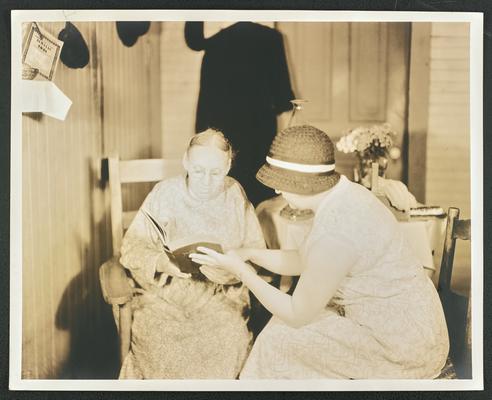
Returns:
point(371, 144)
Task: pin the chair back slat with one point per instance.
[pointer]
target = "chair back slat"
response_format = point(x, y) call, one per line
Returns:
point(448, 251)
point(457, 309)
point(116, 204)
point(151, 170)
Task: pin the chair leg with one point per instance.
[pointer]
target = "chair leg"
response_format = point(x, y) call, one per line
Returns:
point(125, 323)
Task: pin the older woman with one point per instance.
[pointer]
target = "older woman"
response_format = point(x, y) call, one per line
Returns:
point(185, 327)
point(363, 306)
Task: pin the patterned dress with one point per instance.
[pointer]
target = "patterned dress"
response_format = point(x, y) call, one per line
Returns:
point(385, 320)
point(188, 329)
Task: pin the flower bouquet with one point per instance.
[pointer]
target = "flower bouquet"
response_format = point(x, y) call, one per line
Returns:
point(370, 144)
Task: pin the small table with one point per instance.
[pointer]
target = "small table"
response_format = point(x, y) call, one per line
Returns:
point(424, 235)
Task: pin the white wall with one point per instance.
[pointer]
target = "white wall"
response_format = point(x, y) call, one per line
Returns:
point(448, 137)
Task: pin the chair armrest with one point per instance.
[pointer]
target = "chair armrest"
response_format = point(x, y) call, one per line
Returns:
point(115, 283)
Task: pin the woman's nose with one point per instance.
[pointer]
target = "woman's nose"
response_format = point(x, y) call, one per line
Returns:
point(207, 179)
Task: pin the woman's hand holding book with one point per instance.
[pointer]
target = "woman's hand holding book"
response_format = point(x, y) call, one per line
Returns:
point(166, 267)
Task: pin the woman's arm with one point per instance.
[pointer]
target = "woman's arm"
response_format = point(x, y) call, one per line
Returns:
point(283, 262)
point(141, 251)
point(327, 264)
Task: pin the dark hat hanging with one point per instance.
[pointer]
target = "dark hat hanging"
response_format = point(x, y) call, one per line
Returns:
point(130, 31)
point(75, 53)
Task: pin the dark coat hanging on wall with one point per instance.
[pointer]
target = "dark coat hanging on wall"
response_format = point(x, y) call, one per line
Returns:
point(244, 85)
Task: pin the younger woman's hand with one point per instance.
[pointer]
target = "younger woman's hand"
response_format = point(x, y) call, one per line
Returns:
point(218, 275)
point(231, 262)
point(243, 253)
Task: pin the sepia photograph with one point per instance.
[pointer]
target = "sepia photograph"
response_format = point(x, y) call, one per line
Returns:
point(246, 200)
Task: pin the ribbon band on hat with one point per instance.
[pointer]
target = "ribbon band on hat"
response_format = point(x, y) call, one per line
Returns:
point(316, 168)
point(301, 160)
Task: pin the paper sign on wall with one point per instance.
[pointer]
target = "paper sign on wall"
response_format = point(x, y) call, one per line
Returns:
point(41, 52)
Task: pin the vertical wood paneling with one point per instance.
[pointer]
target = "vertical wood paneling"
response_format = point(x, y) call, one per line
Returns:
point(418, 108)
point(341, 78)
point(41, 273)
point(59, 153)
point(448, 138)
point(311, 59)
point(397, 93)
point(82, 124)
point(368, 66)
point(127, 87)
point(29, 340)
point(67, 330)
point(153, 55)
point(180, 84)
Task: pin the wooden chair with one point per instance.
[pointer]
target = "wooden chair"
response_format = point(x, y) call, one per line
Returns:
point(116, 284)
point(457, 308)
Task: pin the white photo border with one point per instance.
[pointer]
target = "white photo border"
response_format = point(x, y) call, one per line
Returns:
point(476, 160)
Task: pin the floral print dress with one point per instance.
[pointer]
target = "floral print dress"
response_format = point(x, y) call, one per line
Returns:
point(188, 329)
point(385, 320)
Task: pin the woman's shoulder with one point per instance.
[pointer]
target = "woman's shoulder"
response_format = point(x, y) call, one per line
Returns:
point(234, 191)
point(167, 188)
point(233, 187)
point(353, 207)
point(357, 198)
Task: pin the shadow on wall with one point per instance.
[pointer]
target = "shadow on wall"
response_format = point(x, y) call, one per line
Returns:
point(93, 345)
point(82, 312)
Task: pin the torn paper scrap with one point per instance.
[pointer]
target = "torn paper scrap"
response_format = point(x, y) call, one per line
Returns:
point(45, 97)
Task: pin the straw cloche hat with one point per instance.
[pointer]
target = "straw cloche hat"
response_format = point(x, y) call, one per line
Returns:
point(301, 160)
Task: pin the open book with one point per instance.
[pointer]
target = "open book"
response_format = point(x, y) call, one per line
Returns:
point(178, 251)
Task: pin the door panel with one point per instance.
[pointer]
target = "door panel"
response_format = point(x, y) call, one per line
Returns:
point(367, 68)
point(352, 74)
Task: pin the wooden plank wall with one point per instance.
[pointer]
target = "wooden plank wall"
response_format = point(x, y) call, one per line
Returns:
point(418, 107)
point(448, 138)
point(131, 107)
point(68, 331)
point(180, 85)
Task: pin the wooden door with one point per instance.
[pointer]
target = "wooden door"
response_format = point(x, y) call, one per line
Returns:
point(352, 74)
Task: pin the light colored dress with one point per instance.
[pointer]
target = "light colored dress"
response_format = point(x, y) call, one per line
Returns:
point(384, 321)
point(188, 329)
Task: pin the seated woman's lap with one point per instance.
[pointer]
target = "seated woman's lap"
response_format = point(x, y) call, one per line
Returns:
point(209, 339)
